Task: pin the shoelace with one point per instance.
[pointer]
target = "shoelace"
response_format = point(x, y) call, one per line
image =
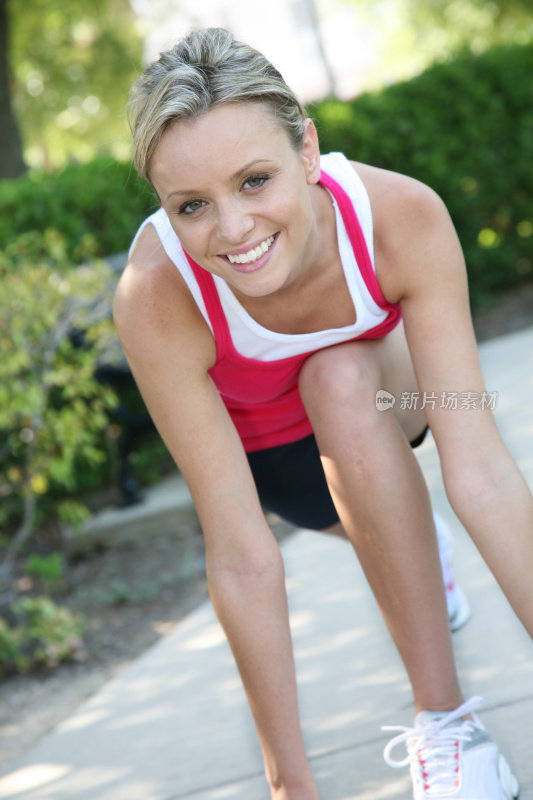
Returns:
point(435, 747)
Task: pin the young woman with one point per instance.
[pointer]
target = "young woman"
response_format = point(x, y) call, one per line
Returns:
point(265, 305)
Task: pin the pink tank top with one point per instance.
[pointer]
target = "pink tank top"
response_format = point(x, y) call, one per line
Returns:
point(262, 397)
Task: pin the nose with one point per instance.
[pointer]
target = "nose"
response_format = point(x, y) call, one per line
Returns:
point(234, 222)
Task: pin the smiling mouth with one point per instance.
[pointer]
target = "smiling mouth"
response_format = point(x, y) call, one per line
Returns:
point(251, 255)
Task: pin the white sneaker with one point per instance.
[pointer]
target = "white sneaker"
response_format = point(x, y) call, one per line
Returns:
point(452, 758)
point(458, 606)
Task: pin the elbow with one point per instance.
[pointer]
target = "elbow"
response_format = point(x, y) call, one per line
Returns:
point(252, 563)
point(259, 570)
point(474, 487)
point(248, 586)
point(466, 489)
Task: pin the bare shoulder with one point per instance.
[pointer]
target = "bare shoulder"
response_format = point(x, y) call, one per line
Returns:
point(396, 194)
point(410, 220)
point(153, 304)
point(150, 281)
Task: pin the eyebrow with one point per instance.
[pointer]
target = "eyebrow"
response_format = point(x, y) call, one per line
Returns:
point(242, 171)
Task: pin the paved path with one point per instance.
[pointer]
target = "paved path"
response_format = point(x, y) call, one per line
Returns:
point(175, 725)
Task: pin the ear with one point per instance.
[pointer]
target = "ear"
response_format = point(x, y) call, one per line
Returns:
point(311, 152)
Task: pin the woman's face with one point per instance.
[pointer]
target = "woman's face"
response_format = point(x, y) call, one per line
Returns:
point(238, 195)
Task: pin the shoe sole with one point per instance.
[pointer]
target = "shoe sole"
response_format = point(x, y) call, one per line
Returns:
point(510, 785)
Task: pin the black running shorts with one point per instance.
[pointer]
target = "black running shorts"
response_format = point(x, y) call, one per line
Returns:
point(291, 482)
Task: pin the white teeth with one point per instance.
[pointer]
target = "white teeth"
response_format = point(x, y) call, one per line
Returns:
point(252, 255)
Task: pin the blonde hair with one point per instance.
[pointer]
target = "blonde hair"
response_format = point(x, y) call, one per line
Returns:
point(206, 68)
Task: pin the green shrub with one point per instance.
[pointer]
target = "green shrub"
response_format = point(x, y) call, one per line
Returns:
point(96, 206)
point(47, 570)
point(466, 129)
point(41, 634)
point(52, 409)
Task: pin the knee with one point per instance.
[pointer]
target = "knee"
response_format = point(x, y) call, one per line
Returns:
point(341, 376)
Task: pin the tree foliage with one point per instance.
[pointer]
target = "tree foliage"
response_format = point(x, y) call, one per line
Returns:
point(407, 36)
point(455, 23)
point(476, 23)
point(73, 63)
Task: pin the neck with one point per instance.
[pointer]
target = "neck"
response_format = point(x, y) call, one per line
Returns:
point(323, 247)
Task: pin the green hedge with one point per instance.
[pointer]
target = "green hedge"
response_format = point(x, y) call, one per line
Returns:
point(96, 206)
point(466, 129)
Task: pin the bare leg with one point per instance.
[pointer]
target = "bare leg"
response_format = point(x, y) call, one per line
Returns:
point(383, 502)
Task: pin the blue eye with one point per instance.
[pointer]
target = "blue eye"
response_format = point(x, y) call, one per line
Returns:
point(191, 206)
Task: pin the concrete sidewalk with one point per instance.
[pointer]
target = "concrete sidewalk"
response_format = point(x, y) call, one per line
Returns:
point(175, 725)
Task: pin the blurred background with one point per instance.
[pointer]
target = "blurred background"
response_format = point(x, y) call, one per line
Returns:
point(67, 65)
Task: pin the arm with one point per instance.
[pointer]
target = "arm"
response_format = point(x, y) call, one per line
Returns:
point(170, 349)
point(422, 266)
